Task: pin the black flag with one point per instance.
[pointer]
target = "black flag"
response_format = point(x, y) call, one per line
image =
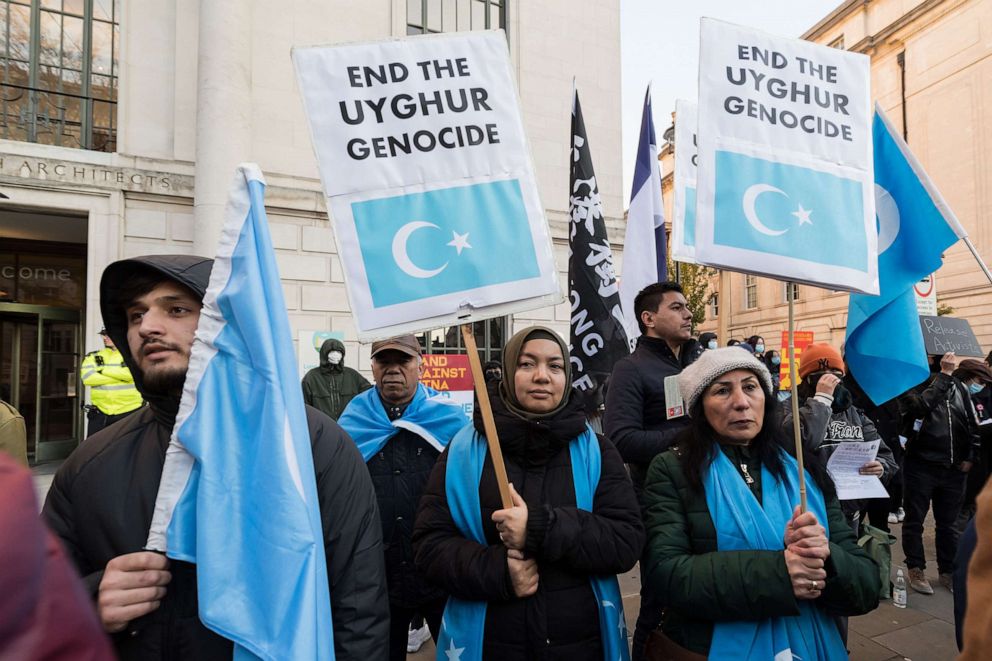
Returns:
point(597, 338)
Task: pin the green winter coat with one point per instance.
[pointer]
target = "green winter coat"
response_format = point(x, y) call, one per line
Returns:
point(699, 585)
point(329, 388)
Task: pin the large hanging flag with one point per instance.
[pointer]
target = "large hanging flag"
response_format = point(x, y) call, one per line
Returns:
point(684, 188)
point(238, 495)
point(784, 184)
point(644, 240)
point(884, 348)
point(597, 338)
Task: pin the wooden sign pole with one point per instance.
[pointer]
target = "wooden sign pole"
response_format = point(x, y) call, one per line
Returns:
point(489, 424)
point(795, 397)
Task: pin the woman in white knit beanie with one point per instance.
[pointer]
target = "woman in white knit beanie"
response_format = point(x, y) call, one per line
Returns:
point(742, 572)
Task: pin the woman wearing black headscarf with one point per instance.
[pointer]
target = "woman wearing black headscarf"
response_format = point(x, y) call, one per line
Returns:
point(539, 575)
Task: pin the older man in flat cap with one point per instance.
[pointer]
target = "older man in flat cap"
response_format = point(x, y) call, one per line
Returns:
point(401, 427)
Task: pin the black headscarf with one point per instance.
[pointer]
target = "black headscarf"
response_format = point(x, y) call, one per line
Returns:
point(528, 438)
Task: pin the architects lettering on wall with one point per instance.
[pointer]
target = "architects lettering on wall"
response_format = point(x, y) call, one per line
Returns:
point(131, 179)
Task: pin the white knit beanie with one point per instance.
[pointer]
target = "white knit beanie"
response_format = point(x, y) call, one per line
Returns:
point(696, 378)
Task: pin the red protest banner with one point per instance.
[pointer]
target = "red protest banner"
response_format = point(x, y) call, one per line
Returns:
point(803, 339)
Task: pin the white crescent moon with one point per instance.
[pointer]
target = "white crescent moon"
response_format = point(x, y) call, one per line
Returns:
point(750, 197)
point(402, 259)
point(888, 218)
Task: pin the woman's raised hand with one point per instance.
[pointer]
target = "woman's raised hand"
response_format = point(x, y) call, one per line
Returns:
point(512, 522)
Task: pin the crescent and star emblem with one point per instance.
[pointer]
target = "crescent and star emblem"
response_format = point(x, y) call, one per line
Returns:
point(402, 258)
point(750, 200)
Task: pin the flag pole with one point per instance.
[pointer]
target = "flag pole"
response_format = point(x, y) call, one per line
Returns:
point(978, 258)
point(795, 396)
point(488, 423)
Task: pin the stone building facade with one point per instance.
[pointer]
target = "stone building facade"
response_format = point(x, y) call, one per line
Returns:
point(122, 122)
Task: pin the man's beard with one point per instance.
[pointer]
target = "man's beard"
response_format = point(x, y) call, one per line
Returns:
point(164, 382)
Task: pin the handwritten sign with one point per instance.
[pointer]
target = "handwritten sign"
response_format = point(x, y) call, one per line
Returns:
point(943, 334)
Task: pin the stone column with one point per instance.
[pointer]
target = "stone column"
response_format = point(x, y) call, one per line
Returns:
point(223, 112)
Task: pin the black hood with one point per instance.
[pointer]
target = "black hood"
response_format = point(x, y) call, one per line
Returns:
point(189, 270)
point(333, 344)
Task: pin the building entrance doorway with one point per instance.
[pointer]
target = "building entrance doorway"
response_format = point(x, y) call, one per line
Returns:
point(39, 363)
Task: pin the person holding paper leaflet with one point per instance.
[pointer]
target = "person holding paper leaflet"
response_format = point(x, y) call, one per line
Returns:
point(742, 573)
point(828, 418)
point(942, 445)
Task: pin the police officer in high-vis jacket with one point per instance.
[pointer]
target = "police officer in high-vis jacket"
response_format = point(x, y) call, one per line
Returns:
point(112, 390)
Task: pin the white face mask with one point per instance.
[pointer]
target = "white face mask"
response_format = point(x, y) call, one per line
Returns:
point(334, 357)
point(711, 344)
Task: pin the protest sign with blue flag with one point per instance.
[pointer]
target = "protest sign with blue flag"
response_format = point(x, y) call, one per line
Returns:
point(644, 240)
point(419, 245)
point(238, 494)
point(884, 347)
point(684, 189)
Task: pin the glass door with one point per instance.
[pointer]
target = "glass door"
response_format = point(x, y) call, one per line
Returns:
point(39, 359)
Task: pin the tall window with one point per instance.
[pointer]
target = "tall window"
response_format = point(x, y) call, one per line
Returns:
point(490, 335)
point(432, 16)
point(750, 292)
point(790, 289)
point(59, 66)
point(714, 306)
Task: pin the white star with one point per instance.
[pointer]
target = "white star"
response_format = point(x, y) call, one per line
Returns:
point(459, 241)
point(454, 653)
point(803, 216)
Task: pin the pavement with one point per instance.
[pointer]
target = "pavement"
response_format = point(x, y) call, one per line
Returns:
point(923, 631)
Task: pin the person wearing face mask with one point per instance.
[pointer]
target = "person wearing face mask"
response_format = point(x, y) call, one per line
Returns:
point(332, 385)
point(942, 447)
point(773, 360)
point(758, 344)
point(976, 376)
point(708, 341)
point(827, 418)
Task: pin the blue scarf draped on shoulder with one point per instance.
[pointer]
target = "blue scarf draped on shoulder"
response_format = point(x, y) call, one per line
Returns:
point(742, 524)
point(462, 628)
point(429, 414)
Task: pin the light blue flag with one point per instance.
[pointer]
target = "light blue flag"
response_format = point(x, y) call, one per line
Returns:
point(884, 348)
point(788, 210)
point(421, 245)
point(238, 495)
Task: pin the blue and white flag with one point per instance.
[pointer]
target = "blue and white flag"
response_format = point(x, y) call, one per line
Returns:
point(784, 184)
point(238, 494)
point(684, 180)
point(884, 348)
point(644, 240)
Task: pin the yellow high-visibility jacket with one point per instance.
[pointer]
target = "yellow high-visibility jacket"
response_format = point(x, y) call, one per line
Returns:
point(111, 384)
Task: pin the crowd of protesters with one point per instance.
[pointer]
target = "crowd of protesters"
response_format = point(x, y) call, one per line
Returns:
point(695, 475)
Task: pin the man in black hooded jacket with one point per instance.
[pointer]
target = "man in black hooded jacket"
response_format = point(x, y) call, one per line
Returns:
point(330, 386)
point(102, 498)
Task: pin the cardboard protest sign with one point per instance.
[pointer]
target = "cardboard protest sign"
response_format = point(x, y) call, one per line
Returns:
point(684, 190)
point(429, 180)
point(451, 376)
point(802, 339)
point(785, 179)
point(943, 334)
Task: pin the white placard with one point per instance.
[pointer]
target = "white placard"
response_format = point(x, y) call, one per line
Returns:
point(429, 180)
point(785, 179)
point(684, 189)
point(926, 296)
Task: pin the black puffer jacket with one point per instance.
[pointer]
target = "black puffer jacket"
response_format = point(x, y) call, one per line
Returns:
point(561, 621)
point(101, 501)
point(636, 417)
point(948, 434)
